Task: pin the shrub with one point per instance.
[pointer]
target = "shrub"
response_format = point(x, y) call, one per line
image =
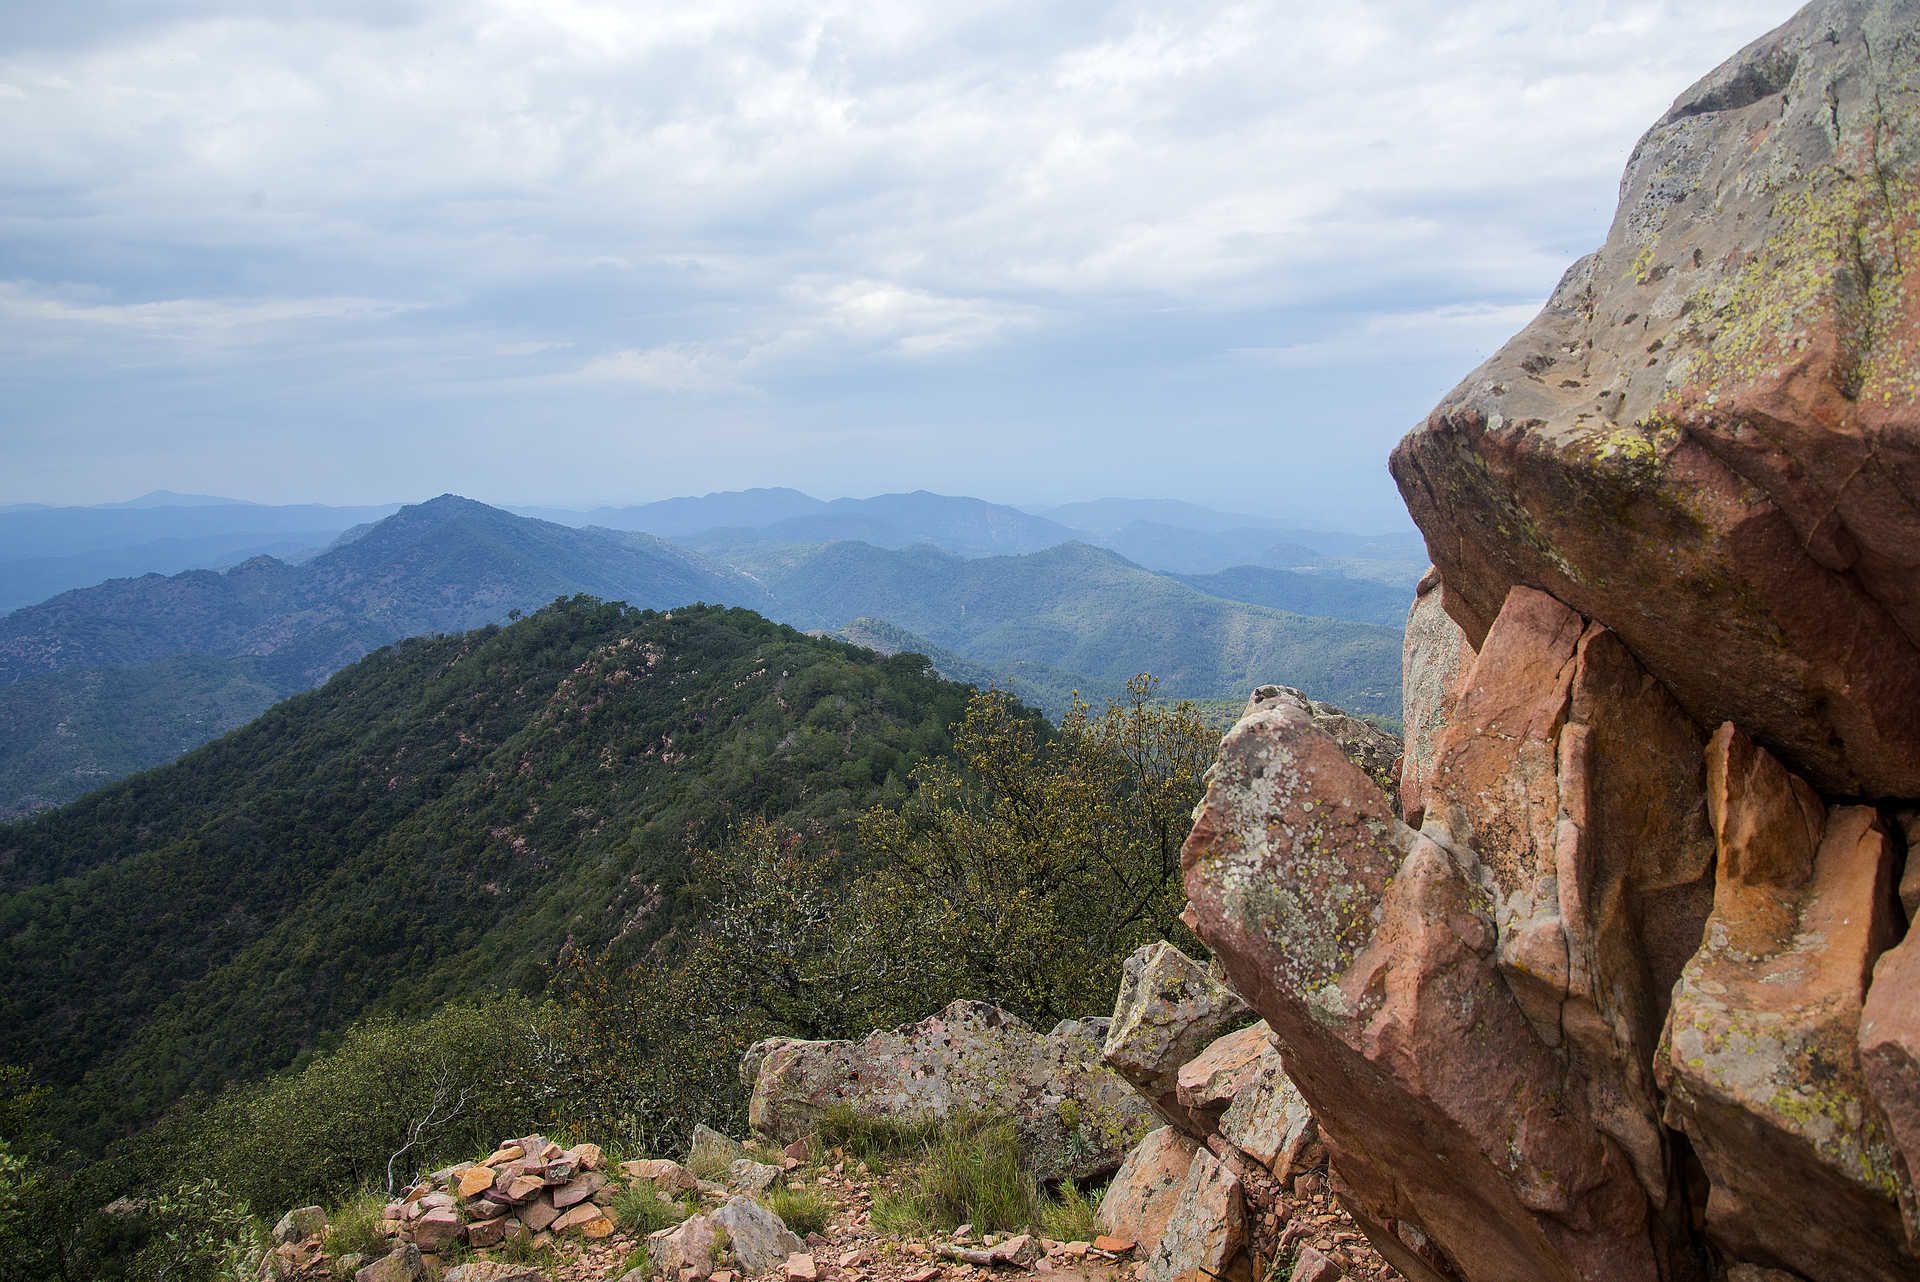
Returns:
point(198, 1233)
point(1070, 1215)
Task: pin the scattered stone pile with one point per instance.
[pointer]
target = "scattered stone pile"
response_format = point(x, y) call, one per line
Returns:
point(1234, 1187)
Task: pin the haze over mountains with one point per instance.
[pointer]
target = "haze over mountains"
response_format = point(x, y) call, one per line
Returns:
point(102, 680)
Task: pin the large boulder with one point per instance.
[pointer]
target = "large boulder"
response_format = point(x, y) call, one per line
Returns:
point(1205, 1232)
point(1168, 1010)
point(1076, 1118)
point(1373, 952)
point(1709, 439)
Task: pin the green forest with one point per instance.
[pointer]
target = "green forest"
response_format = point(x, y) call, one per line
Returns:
point(583, 860)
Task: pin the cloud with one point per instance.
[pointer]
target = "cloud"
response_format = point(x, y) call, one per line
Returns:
point(1464, 330)
point(806, 202)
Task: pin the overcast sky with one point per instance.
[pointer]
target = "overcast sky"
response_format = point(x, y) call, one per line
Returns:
point(554, 251)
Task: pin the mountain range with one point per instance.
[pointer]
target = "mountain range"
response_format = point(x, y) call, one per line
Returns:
point(125, 674)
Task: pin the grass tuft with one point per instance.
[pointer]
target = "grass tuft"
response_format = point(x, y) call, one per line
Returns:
point(802, 1209)
point(355, 1227)
point(639, 1210)
point(1070, 1215)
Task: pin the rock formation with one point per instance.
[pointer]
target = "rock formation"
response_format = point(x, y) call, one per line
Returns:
point(1076, 1117)
point(1617, 986)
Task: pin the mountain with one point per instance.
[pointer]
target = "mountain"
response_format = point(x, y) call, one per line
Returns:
point(441, 566)
point(964, 526)
point(741, 509)
point(1106, 516)
point(447, 811)
point(1086, 617)
point(68, 733)
point(1331, 594)
point(48, 550)
point(173, 498)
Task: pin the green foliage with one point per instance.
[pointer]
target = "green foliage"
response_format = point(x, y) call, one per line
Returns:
point(437, 821)
point(1027, 876)
point(874, 1140)
point(198, 1232)
point(393, 1099)
point(1070, 1215)
point(803, 1210)
point(353, 1228)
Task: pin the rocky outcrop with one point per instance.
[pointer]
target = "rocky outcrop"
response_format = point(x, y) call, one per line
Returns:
point(1707, 440)
point(1617, 988)
point(1076, 1118)
point(1168, 1011)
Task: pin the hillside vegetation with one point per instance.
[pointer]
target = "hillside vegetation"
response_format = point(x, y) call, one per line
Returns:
point(438, 820)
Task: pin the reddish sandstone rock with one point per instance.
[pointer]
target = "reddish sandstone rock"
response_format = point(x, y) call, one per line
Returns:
point(1710, 438)
point(1147, 1187)
point(1374, 955)
point(1205, 1230)
point(1208, 1083)
point(1763, 1070)
point(1890, 1056)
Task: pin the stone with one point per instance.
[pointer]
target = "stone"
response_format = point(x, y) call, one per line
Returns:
point(1168, 1010)
point(800, 1150)
point(300, 1224)
point(505, 1153)
point(1890, 1055)
point(436, 1229)
point(1269, 1120)
point(759, 1239)
point(1708, 439)
point(800, 1267)
point(576, 1217)
point(402, 1264)
point(750, 1177)
point(1375, 752)
point(587, 1157)
point(579, 1189)
point(925, 1273)
point(666, 1177)
point(1206, 1231)
point(1434, 658)
point(482, 1234)
point(1311, 1266)
point(523, 1188)
point(492, 1271)
point(487, 1207)
point(1373, 954)
point(539, 1214)
point(474, 1181)
point(713, 1154)
point(1764, 1072)
point(685, 1250)
point(1207, 1083)
point(1020, 1251)
point(1076, 1118)
point(1141, 1198)
point(600, 1226)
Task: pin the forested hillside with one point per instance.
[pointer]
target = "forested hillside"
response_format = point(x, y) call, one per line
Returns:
point(437, 820)
point(1082, 616)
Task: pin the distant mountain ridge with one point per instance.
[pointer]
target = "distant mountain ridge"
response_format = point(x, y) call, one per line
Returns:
point(93, 682)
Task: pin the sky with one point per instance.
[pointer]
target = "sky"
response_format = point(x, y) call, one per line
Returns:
point(552, 251)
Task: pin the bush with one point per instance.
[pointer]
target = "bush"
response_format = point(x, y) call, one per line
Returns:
point(1070, 1215)
point(374, 1112)
point(198, 1233)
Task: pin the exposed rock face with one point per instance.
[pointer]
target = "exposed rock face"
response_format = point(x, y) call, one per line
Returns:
point(1076, 1117)
point(1142, 1196)
point(1169, 1010)
point(1632, 1001)
point(1205, 1228)
point(1726, 391)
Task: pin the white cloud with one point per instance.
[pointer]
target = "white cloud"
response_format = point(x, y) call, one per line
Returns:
point(1466, 330)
